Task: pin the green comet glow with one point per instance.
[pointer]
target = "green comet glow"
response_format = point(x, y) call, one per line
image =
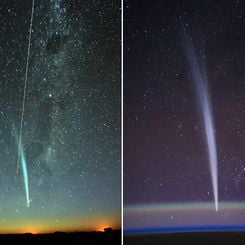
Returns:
point(25, 174)
point(24, 168)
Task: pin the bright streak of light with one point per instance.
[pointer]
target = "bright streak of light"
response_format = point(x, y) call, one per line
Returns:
point(25, 85)
point(24, 168)
point(203, 98)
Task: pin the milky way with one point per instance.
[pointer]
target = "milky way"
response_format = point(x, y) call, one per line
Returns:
point(71, 126)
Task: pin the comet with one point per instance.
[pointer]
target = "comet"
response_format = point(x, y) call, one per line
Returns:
point(200, 80)
point(23, 167)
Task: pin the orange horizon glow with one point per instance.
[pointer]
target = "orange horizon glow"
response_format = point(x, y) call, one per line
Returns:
point(32, 230)
point(102, 226)
point(48, 228)
point(36, 230)
point(43, 225)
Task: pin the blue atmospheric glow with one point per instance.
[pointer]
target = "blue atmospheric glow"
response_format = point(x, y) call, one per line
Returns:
point(156, 230)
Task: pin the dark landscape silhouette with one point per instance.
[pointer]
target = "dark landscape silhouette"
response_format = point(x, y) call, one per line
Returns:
point(109, 236)
point(190, 238)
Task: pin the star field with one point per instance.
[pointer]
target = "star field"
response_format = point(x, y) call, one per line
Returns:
point(165, 150)
point(71, 130)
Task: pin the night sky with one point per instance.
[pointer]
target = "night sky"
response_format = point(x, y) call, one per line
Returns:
point(71, 130)
point(167, 179)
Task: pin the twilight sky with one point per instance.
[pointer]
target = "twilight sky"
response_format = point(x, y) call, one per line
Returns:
point(167, 46)
point(71, 131)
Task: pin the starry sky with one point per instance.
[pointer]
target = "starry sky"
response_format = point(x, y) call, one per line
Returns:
point(71, 130)
point(166, 159)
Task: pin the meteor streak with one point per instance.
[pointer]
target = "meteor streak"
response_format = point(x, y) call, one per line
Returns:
point(25, 85)
point(200, 79)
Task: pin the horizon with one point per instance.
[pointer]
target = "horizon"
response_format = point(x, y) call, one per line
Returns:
point(184, 229)
point(95, 222)
point(184, 216)
point(63, 231)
